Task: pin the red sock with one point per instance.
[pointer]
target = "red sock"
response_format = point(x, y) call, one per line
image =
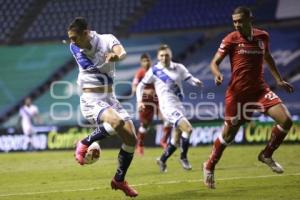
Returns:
point(277, 137)
point(166, 133)
point(215, 154)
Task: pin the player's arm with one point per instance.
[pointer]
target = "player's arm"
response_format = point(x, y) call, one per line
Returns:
point(215, 69)
point(148, 79)
point(139, 95)
point(189, 78)
point(133, 88)
point(118, 53)
point(135, 82)
point(275, 73)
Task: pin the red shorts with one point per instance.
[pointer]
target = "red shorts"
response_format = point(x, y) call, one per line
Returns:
point(151, 108)
point(239, 108)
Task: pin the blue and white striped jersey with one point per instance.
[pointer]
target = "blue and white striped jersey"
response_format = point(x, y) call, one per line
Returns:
point(93, 71)
point(167, 81)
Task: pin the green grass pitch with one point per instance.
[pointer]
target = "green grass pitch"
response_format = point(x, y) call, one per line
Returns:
point(56, 176)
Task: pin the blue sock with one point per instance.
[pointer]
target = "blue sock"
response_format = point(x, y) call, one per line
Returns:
point(98, 134)
point(184, 146)
point(168, 152)
point(124, 159)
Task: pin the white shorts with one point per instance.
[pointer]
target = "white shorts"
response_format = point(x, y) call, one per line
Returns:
point(172, 111)
point(92, 105)
point(28, 129)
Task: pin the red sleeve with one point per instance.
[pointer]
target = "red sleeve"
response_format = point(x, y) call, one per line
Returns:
point(138, 77)
point(267, 41)
point(226, 45)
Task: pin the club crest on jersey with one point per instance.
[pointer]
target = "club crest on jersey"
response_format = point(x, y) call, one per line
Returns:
point(261, 44)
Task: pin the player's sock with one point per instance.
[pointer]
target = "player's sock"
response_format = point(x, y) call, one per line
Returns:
point(166, 134)
point(277, 137)
point(124, 159)
point(102, 131)
point(216, 153)
point(171, 148)
point(184, 145)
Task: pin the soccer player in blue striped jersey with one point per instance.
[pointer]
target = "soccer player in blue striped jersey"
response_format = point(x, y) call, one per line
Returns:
point(96, 55)
point(167, 77)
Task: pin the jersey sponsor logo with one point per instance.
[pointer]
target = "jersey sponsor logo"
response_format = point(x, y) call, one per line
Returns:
point(250, 52)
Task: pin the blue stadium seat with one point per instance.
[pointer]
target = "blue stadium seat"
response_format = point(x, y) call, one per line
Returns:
point(103, 16)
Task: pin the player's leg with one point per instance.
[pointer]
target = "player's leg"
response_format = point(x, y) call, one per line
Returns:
point(167, 130)
point(231, 126)
point(186, 130)
point(125, 156)
point(224, 139)
point(111, 122)
point(146, 117)
point(283, 121)
point(169, 150)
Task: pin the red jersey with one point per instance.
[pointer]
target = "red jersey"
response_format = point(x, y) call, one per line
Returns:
point(139, 75)
point(246, 58)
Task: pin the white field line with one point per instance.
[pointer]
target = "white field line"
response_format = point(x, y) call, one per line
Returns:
point(146, 184)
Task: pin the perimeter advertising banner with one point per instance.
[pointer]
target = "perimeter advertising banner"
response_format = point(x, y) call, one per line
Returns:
point(203, 133)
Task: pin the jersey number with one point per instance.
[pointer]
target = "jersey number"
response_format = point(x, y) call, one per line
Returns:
point(271, 95)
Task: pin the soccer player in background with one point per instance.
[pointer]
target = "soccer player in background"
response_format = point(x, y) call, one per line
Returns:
point(28, 113)
point(151, 107)
point(96, 55)
point(167, 77)
point(28, 116)
point(248, 48)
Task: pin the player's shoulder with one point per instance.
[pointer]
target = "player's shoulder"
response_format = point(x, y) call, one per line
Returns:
point(140, 71)
point(232, 36)
point(74, 49)
point(177, 65)
point(260, 33)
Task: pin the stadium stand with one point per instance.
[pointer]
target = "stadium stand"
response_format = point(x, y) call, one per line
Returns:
point(11, 12)
point(177, 14)
point(51, 23)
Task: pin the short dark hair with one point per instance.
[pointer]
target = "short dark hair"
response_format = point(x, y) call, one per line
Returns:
point(79, 24)
point(243, 10)
point(145, 56)
point(163, 47)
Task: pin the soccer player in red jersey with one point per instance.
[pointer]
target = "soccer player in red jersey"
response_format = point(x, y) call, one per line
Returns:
point(151, 102)
point(248, 48)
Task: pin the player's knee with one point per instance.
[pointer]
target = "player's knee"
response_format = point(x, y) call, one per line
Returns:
point(131, 140)
point(117, 123)
point(229, 132)
point(189, 130)
point(287, 124)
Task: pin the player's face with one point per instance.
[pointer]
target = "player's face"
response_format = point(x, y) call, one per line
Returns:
point(79, 39)
point(146, 63)
point(28, 101)
point(241, 23)
point(164, 57)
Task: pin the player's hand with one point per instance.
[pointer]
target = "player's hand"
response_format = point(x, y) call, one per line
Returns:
point(285, 85)
point(219, 79)
point(141, 106)
point(199, 83)
point(111, 57)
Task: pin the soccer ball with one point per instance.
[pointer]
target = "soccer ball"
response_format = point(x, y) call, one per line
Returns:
point(93, 153)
